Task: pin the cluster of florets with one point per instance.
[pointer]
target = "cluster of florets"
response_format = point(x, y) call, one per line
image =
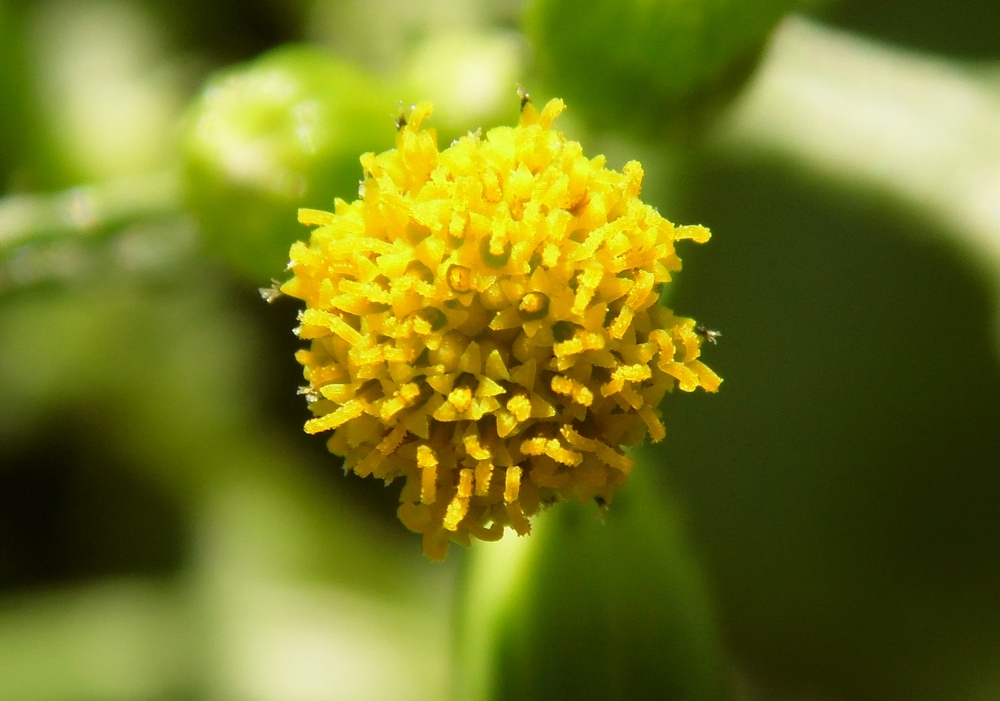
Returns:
point(484, 325)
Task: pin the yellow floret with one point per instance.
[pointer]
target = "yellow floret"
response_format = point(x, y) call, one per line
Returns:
point(484, 325)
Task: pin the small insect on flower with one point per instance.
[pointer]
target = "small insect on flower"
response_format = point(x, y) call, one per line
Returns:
point(309, 393)
point(523, 96)
point(483, 325)
point(400, 119)
point(708, 334)
point(271, 293)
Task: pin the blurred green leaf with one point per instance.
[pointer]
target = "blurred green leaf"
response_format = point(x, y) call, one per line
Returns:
point(590, 608)
point(919, 130)
point(653, 66)
point(965, 29)
point(286, 588)
point(122, 640)
point(265, 138)
point(158, 380)
point(110, 92)
point(26, 158)
point(842, 486)
point(8, 99)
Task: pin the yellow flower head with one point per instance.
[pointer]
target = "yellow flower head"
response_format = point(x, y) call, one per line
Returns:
point(484, 325)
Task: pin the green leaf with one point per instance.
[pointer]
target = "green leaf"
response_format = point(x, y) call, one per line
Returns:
point(653, 66)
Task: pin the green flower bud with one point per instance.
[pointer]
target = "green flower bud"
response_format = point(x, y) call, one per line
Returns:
point(610, 608)
point(269, 137)
point(470, 77)
point(656, 65)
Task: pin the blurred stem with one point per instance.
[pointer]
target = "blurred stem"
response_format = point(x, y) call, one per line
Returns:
point(920, 129)
point(86, 210)
point(594, 604)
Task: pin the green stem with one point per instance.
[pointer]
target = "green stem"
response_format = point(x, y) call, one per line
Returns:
point(86, 210)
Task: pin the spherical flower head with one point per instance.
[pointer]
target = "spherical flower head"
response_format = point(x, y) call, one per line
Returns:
point(484, 325)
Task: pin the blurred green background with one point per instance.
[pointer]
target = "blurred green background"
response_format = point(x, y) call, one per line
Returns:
point(826, 527)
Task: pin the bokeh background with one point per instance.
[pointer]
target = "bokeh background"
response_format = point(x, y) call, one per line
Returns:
point(826, 527)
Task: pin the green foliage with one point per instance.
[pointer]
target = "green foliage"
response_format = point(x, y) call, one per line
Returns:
point(166, 530)
point(842, 489)
point(282, 132)
point(26, 158)
point(955, 28)
point(654, 66)
point(7, 101)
